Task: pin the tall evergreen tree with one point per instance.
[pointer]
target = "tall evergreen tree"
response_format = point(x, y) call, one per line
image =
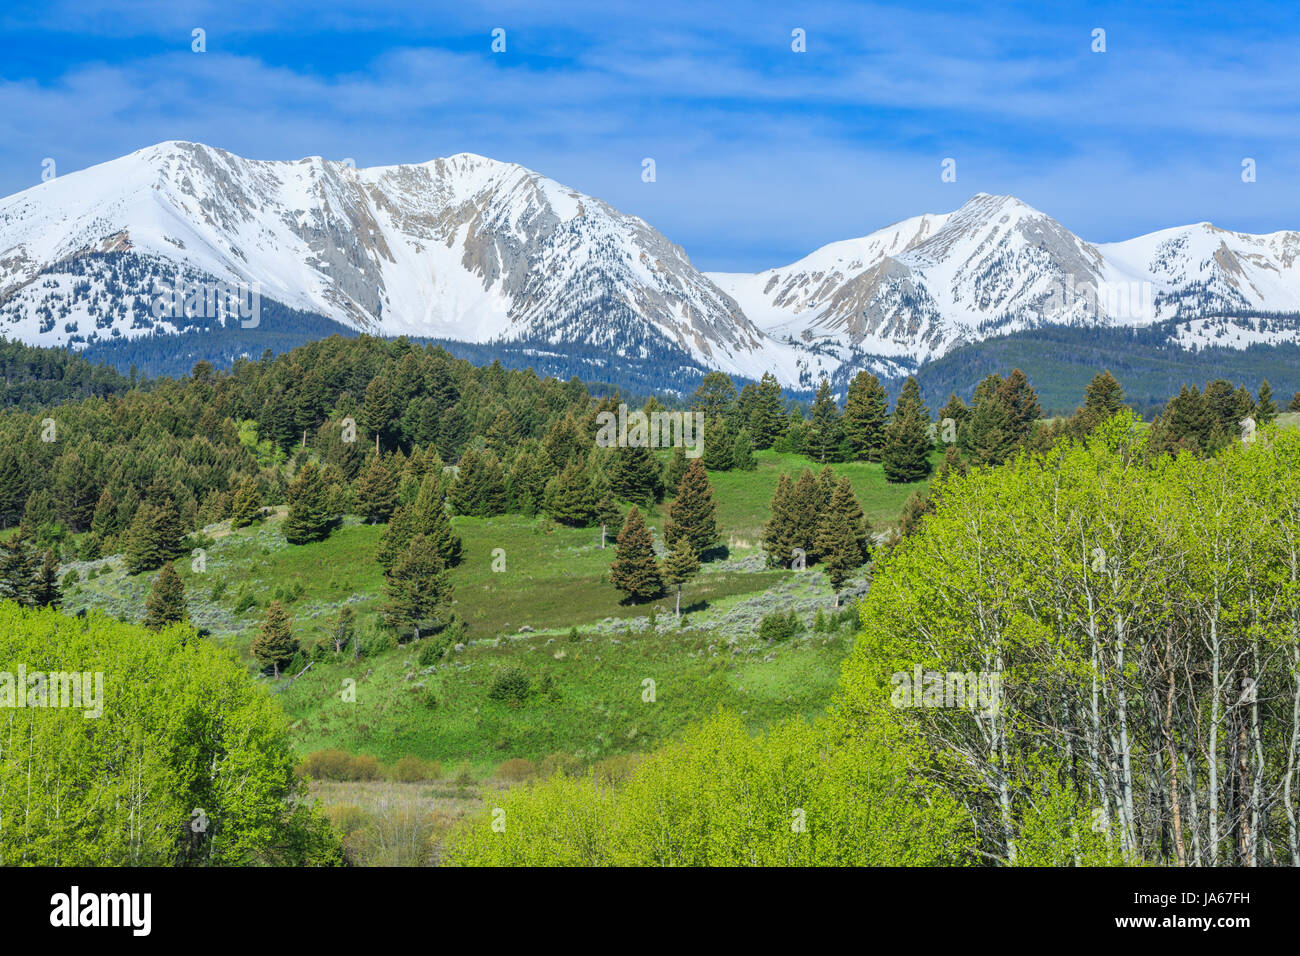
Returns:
point(569, 498)
point(676, 467)
point(309, 518)
point(906, 455)
point(166, 601)
point(19, 567)
point(47, 592)
point(156, 536)
point(779, 532)
point(634, 476)
point(865, 411)
point(247, 505)
point(693, 514)
point(635, 571)
point(843, 537)
point(274, 645)
point(719, 446)
point(742, 452)
point(767, 419)
point(480, 488)
point(1265, 407)
point(377, 490)
point(680, 566)
point(417, 591)
point(824, 433)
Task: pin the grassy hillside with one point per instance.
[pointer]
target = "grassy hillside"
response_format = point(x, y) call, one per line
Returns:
point(586, 699)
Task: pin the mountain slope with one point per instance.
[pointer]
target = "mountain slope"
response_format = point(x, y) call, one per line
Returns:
point(465, 248)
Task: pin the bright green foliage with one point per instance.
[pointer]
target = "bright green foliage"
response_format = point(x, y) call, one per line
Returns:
point(1089, 581)
point(180, 736)
point(798, 795)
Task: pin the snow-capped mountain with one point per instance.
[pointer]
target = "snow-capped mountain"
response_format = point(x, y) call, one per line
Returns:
point(464, 248)
point(925, 285)
point(475, 250)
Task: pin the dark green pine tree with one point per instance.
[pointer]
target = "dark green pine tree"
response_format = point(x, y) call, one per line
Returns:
point(767, 419)
point(676, 467)
point(779, 532)
point(955, 411)
point(719, 446)
point(607, 513)
point(693, 514)
point(480, 487)
point(46, 591)
point(635, 571)
point(843, 537)
point(156, 534)
point(1265, 407)
point(1188, 421)
point(309, 517)
point(742, 452)
point(822, 441)
point(906, 455)
point(865, 411)
point(634, 476)
point(376, 490)
point(417, 591)
point(1295, 403)
point(454, 431)
point(166, 601)
point(274, 644)
point(680, 566)
point(569, 498)
point(991, 435)
point(714, 396)
point(19, 566)
point(812, 494)
point(247, 505)
point(1021, 403)
point(429, 517)
point(1102, 400)
point(379, 410)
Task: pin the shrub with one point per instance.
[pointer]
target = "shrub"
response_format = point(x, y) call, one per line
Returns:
point(563, 763)
point(218, 589)
point(516, 769)
point(464, 776)
point(244, 601)
point(339, 765)
point(779, 626)
point(615, 769)
point(346, 818)
point(70, 580)
point(416, 770)
point(510, 685)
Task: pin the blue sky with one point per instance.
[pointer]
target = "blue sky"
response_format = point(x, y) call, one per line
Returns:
point(762, 154)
